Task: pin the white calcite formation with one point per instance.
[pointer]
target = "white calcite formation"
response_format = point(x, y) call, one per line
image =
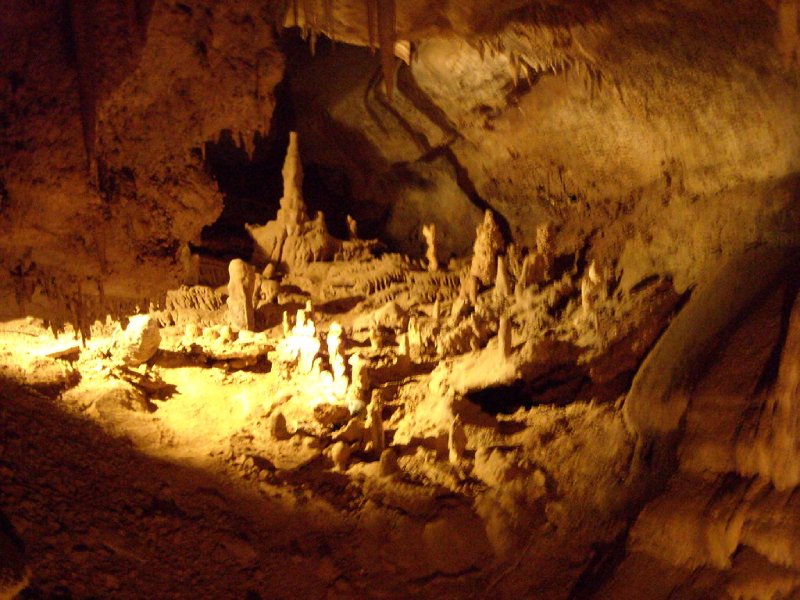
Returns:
point(429, 233)
point(489, 244)
point(241, 290)
point(139, 342)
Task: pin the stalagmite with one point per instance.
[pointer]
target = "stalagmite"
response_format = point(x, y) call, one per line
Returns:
point(502, 284)
point(488, 245)
point(504, 336)
point(429, 233)
point(292, 240)
point(190, 264)
point(337, 360)
point(352, 228)
point(292, 202)
point(340, 455)
point(287, 327)
point(277, 427)
point(387, 37)
point(591, 286)
point(359, 384)
point(388, 463)
point(374, 425)
point(241, 288)
point(456, 440)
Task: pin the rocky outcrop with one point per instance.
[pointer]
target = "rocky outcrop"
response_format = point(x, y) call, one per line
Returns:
point(106, 112)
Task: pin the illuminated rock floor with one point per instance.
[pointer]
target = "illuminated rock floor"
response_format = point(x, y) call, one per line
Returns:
point(172, 478)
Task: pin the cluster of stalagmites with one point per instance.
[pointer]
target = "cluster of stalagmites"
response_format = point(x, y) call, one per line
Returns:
point(410, 313)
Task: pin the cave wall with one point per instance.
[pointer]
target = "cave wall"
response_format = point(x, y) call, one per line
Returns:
point(665, 135)
point(106, 106)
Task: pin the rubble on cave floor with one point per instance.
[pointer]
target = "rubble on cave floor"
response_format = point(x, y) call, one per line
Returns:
point(451, 417)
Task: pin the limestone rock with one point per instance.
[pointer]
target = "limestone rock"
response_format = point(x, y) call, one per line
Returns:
point(456, 440)
point(277, 427)
point(331, 415)
point(109, 397)
point(340, 455)
point(388, 463)
point(489, 244)
point(139, 342)
point(241, 288)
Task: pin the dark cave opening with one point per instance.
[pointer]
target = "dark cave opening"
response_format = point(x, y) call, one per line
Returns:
point(559, 387)
point(502, 399)
point(252, 185)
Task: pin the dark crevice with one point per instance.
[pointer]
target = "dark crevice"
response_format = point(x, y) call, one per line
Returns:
point(606, 557)
point(427, 107)
point(464, 183)
point(558, 387)
point(770, 373)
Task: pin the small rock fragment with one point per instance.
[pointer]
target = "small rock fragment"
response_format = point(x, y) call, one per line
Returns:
point(340, 455)
point(139, 342)
point(331, 415)
point(388, 463)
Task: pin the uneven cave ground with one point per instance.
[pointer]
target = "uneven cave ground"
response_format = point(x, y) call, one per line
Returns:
point(594, 395)
point(167, 479)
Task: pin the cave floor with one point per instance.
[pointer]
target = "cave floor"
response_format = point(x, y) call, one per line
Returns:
point(193, 498)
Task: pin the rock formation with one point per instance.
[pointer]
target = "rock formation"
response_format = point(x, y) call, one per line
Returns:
point(489, 244)
point(292, 240)
point(139, 342)
point(241, 291)
point(429, 233)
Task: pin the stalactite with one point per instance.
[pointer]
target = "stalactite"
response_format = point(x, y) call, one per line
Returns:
point(789, 32)
point(514, 61)
point(306, 19)
point(387, 29)
point(81, 22)
point(329, 22)
point(295, 13)
point(312, 42)
point(370, 24)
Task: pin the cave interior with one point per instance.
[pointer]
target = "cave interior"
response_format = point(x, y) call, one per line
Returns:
point(348, 299)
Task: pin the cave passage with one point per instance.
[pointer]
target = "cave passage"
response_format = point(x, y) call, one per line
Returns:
point(252, 185)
